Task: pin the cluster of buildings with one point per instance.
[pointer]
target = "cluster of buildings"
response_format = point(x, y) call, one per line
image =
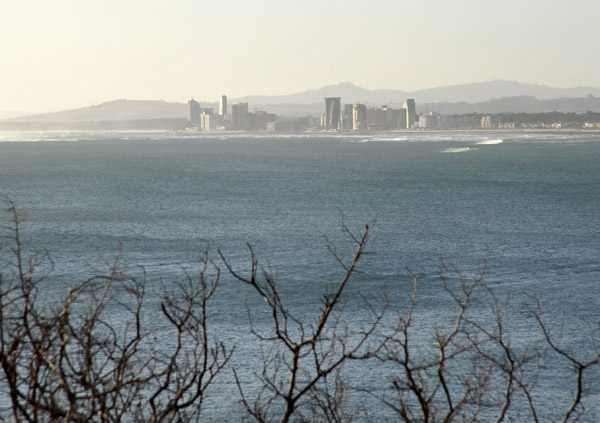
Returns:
point(204, 118)
point(240, 118)
point(358, 117)
point(353, 117)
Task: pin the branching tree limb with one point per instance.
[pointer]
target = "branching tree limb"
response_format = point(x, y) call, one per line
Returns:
point(470, 371)
point(300, 376)
point(88, 357)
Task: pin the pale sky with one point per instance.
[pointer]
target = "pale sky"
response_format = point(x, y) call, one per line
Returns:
point(62, 54)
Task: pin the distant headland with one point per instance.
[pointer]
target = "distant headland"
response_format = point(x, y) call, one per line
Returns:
point(487, 105)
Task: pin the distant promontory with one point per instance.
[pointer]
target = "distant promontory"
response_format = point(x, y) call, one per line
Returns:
point(486, 97)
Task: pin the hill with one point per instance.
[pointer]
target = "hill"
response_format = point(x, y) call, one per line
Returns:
point(470, 93)
point(349, 92)
point(519, 104)
point(116, 110)
point(484, 91)
point(485, 97)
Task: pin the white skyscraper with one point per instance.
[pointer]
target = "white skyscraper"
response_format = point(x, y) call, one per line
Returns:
point(359, 117)
point(223, 106)
point(411, 114)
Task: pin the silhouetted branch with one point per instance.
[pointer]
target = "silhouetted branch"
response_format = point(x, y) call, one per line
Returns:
point(70, 360)
point(89, 355)
point(310, 356)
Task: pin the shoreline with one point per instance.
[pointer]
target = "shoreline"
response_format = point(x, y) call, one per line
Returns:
point(332, 133)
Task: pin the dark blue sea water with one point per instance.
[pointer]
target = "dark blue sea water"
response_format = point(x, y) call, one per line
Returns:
point(528, 204)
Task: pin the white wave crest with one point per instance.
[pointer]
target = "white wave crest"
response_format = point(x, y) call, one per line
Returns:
point(489, 142)
point(456, 150)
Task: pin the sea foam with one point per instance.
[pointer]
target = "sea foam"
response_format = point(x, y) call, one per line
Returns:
point(489, 142)
point(456, 150)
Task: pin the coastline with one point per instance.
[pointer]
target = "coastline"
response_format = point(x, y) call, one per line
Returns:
point(315, 132)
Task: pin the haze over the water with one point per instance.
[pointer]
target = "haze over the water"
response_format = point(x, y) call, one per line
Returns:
point(71, 53)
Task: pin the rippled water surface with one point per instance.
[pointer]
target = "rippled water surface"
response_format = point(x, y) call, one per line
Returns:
point(528, 204)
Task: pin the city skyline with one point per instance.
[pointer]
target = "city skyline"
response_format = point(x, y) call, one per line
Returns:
point(68, 54)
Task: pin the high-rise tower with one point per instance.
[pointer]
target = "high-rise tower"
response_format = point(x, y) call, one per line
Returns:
point(410, 113)
point(347, 118)
point(195, 112)
point(333, 107)
point(223, 106)
point(239, 116)
point(359, 117)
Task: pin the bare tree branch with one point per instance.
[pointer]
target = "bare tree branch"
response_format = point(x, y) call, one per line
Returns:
point(309, 356)
point(70, 360)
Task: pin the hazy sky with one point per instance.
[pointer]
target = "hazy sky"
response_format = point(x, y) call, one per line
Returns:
point(60, 54)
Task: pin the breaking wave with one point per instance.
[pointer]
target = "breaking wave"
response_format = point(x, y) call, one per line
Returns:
point(489, 142)
point(456, 150)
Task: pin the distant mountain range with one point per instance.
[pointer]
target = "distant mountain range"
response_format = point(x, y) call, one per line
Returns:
point(485, 97)
point(525, 104)
point(470, 93)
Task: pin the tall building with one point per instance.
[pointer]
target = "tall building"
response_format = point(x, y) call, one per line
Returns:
point(347, 117)
point(333, 116)
point(403, 118)
point(239, 116)
point(411, 114)
point(359, 117)
point(384, 118)
point(379, 118)
point(223, 106)
point(195, 111)
point(205, 121)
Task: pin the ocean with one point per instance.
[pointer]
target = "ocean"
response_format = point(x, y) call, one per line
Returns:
point(526, 204)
